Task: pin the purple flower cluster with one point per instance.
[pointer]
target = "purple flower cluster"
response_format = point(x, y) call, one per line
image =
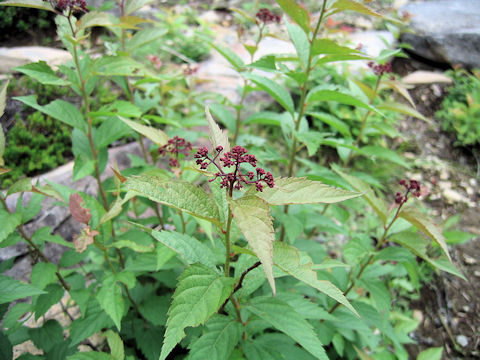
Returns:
point(379, 69)
point(72, 5)
point(267, 17)
point(233, 159)
point(174, 147)
point(412, 187)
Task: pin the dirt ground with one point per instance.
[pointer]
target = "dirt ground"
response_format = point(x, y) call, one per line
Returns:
point(448, 307)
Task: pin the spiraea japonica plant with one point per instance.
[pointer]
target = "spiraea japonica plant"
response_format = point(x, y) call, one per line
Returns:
point(203, 253)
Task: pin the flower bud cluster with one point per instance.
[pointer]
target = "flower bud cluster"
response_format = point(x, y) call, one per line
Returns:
point(174, 147)
point(233, 159)
point(266, 16)
point(379, 69)
point(73, 5)
point(412, 187)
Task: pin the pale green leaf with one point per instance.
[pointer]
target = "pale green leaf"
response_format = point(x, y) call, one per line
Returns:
point(341, 5)
point(43, 274)
point(252, 216)
point(330, 47)
point(145, 36)
point(217, 136)
point(319, 93)
point(376, 203)
point(96, 18)
point(21, 185)
point(156, 135)
point(177, 194)
point(111, 300)
point(223, 115)
point(189, 249)
point(115, 344)
point(297, 12)
point(235, 60)
point(278, 92)
point(300, 41)
point(116, 208)
point(383, 153)
point(133, 5)
point(399, 88)
point(41, 72)
point(431, 354)
point(218, 341)
point(120, 244)
point(288, 191)
point(287, 258)
point(423, 223)
point(199, 294)
point(8, 223)
point(116, 65)
point(34, 4)
point(58, 109)
point(402, 109)
point(283, 317)
point(11, 289)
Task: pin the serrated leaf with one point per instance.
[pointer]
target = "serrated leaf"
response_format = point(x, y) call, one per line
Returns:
point(218, 341)
point(376, 203)
point(180, 195)
point(20, 186)
point(96, 18)
point(297, 12)
point(156, 135)
point(341, 5)
point(402, 109)
point(47, 336)
point(111, 300)
point(287, 258)
point(278, 92)
point(41, 72)
point(133, 5)
point(252, 216)
point(34, 4)
point(120, 244)
point(423, 223)
point(115, 344)
point(8, 223)
point(53, 294)
point(284, 318)
point(217, 136)
point(330, 47)
point(43, 274)
point(300, 41)
point(199, 294)
point(116, 65)
point(58, 109)
point(431, 354)
point(91, 355)
point(289, 191)
point(11, 289)
point(189, 249)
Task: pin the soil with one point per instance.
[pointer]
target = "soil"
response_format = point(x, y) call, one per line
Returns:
point(448, 307)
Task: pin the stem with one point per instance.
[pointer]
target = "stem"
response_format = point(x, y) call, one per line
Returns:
point(227, 243)
point(30, 242)
point(302, 106)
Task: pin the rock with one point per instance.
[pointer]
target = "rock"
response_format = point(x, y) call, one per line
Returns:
point(445, 31)
point(421, 77)
point(462, 340)
point(17, 56)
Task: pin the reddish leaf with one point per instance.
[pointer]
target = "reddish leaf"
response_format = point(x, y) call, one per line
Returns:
point(77, 210)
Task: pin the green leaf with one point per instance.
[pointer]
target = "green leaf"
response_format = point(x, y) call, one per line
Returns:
point(59, 109)
point(111, 300)
point(330, 47)
point(156, 135)
point(21, 185)
point(133, 5)
point(284, 318)
point(224, 115)
point(92, 322)
point(402, 109)
point(120, 244)
point(3, 101)
point(288, 191)
point(252, 216)
point(53, 295)
point(279, 93)
point(41, 72)
point(333, 122)
point(423, 223)
point(218, 341)
point(8, 223)
point(319, 93)
point(235, 60)
point(384, 154)
point(144, 37)
point(43, 274)
point(189, 249)
point(91, 355)
point(6, 346)
point(116, 65)
point(47, 336)
point(34, 4)
point(180, 195)
point(11, 289)
point(297, 12)
point(431, 354)
point(288, 259)
point(376, 203)
point(115, 344)
point(217, 136)
point(199, 294)
point(96, 18)
point(352, 5)
point(301, 43)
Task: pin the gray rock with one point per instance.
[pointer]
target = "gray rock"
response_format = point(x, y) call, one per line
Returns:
point(17, 56)
point(445, 31)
